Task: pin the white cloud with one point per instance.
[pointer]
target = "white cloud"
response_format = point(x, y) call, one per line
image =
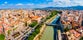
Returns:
point(63, 3)
point(19, 4)
point(68, 2)
point(30, 4)
point(5, 2)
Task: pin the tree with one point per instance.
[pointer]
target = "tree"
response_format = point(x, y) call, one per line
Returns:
point(66, 29)
point(33, 24)
point(25, 23)
point(9, 31)
point(2, 37)
point(81, 38)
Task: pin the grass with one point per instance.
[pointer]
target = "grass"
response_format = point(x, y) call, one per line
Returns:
point(2, 37)
point(48, 33)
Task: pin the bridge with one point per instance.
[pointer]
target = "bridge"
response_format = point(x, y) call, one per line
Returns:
point(56, 24)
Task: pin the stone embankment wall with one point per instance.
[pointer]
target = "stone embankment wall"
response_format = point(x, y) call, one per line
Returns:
point(38, 36)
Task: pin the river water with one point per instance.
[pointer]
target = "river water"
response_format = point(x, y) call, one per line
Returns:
point(55, 28)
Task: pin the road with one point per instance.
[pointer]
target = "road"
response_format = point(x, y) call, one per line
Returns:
point(26, 35)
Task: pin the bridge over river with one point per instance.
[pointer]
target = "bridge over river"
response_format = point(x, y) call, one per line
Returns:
point(54, 26)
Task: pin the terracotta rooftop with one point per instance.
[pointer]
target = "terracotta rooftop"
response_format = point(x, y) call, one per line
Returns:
point(75, 33)
point(35, 17)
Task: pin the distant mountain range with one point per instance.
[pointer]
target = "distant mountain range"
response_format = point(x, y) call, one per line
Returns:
point(62, 8)
point(54, 8)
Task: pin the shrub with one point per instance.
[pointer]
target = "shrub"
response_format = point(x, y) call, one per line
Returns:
point(81, 38)
point(9, 32)
point(2, 37)
point(66, 29)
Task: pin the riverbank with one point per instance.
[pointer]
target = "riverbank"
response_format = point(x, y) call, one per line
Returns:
point(43, 28)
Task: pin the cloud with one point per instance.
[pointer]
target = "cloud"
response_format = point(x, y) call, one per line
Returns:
point(19, 4)
point(30, 4)
point(63, 3)
point(68, 2)
point(5, 2)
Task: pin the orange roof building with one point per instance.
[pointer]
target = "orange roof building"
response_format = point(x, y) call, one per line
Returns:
point(36, 18)
point(76, 34)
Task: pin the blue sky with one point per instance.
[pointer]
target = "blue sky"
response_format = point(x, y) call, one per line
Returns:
point(39, 3)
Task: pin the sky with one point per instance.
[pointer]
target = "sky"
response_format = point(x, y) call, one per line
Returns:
point(39, 3)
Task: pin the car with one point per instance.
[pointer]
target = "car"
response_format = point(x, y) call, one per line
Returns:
point(24, 38)
point(27, 34)
point(32, 30)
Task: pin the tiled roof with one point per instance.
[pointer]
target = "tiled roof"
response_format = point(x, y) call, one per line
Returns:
point(75, 33)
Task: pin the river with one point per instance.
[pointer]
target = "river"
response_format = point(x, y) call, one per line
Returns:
point(55, 28)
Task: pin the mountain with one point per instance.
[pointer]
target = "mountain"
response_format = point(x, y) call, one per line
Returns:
point(52, 8)
point(62, 8)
